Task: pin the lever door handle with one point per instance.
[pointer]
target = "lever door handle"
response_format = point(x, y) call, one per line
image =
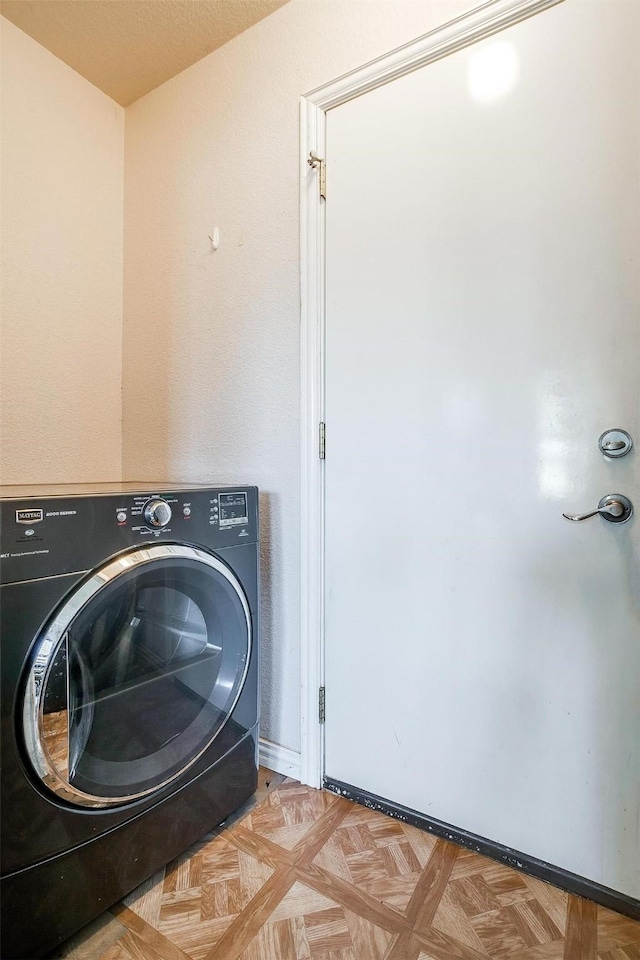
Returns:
point(615, 508)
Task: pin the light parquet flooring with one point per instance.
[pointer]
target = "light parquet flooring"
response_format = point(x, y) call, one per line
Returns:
point(307, 875)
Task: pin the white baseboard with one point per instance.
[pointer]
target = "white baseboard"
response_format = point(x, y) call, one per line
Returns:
point(279, 759)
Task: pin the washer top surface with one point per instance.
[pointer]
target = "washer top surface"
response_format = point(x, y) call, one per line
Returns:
point(29, 491)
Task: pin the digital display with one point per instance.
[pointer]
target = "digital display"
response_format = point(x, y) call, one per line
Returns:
point(233, 509)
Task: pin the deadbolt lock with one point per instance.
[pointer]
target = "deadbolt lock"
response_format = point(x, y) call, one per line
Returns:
point(615, 443)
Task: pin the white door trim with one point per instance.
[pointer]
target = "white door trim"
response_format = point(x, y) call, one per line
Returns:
point(312, 233)
point(477, 24)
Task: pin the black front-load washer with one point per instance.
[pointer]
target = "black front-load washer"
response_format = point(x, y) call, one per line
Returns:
point(129, 632)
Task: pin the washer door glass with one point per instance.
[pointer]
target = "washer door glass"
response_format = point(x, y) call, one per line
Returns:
point(136, 674)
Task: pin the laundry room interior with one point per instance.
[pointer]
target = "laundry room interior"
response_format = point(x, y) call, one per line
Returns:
point(186, 317)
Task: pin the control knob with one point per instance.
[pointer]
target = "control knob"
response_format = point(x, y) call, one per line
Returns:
point(157, 513)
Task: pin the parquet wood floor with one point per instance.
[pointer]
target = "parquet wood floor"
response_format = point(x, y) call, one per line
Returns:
point(307, 875)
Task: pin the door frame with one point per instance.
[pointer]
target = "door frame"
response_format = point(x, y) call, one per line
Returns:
point(477, 24)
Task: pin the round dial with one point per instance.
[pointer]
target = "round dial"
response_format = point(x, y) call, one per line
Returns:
point(157, 513)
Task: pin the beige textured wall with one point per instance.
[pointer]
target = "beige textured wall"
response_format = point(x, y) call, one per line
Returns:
point(211, 341)
point(62, 223)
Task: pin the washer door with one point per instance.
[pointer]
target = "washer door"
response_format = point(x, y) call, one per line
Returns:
point(136, 674)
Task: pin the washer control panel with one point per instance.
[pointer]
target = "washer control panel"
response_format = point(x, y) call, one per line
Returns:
point(49, 536)
point(229, 513)
point(147, 513)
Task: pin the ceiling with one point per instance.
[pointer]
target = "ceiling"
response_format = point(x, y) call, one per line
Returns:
point(129, 47)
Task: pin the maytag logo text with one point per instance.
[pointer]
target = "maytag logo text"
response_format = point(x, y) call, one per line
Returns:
point(28, 516)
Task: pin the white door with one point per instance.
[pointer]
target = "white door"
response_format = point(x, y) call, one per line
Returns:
point(483, 242)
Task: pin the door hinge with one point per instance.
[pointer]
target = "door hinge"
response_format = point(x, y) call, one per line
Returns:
point(321, 440)
point(321, 705)
point(319, 162)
